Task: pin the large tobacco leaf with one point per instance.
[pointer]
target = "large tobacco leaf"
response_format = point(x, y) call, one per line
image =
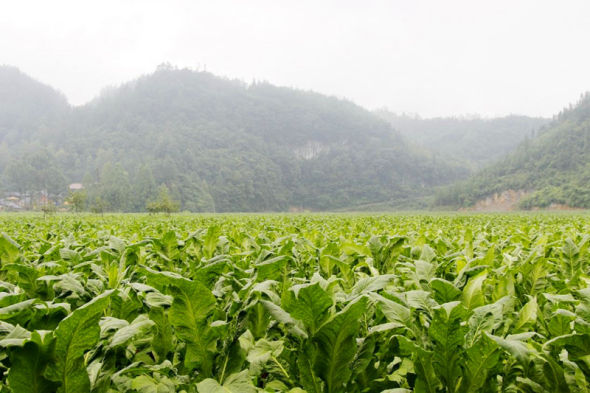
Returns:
point(75, 335)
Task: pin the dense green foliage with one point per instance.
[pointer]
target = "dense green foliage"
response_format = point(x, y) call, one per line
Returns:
point(294, 303)
point(469, 142)
point(554, 166)
point(216, 144)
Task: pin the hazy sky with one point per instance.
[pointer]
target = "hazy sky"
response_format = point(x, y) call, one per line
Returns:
point(433, 57)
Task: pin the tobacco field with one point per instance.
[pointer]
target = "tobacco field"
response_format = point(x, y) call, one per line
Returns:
point(295, 303)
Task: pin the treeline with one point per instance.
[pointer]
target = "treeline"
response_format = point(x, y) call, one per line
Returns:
point(111, 189)
point(217, 145)
point(472, 142)
point(38, 178)
point(554, 167)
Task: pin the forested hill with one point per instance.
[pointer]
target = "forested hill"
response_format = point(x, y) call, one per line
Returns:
point(552, 168)
point(27, 106)
point(469, 141)
point(216, 144)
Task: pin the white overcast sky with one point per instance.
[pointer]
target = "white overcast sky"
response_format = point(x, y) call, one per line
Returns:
point(436, 57)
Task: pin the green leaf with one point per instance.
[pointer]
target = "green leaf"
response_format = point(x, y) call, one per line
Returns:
point(560, 322)
point(393, 311)
point(271, 268)
point(191, 307)
point(426, 379)
point(259, 353)
point(147, 384)
point(309, 304)
point(9, 249)
point(28, 364)
point(74, 336)
point(515, 347)
point(577, 345)
point(210, 241)
point(371, 284)
point(482, 357)
point(472, 295)
point(306, 359)
point(447, 331)
point(282, 316)
point(444, 291)
point(234, 383)
point(162, 340)
point(17, 309)
point(337, 346)
point(528, 314)
point(137, 327)
point(16, 337)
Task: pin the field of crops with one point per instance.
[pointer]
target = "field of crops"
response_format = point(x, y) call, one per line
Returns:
point(294, 303)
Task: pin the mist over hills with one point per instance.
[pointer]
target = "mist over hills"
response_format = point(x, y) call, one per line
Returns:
point(551, 169)
point(27, 106)
point(472, 142)
point(216, 144)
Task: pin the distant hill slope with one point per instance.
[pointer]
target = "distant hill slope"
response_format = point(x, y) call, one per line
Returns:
point(27, 105)
point(553, 168)
point(472, 142)
point(218, 145)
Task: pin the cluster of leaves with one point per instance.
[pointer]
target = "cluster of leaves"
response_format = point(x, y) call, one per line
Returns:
point(295, 304)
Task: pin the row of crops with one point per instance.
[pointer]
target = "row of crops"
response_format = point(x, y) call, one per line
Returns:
point(302, 303)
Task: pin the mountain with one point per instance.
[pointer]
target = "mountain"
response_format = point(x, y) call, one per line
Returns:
point(217, 145)
point(26, 105)
point(29, 110)
point(471, 142)
point(552, 169)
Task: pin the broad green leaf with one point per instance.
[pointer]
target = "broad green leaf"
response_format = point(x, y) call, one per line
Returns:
point(306, 359)
point(191, 307)
point(9, 249)
point(577, 346)
point(393, 311)
point(528, 314)
point(309, 304)
point(472, 295)
point(138, 326)
point(262, 352)
point(234, 383)
point(285, 318)
point(28, 363)
point(481, 358)
point(336, 343)
point(426, 379)
point(444, 291)
point(560, 322)
point(16, 337)
point(447, 331)
point(371, 284)
point(147, 384)
point(17, 309)
point(515, 347)
point(75, 335)
point(162, 340)
point(271, 268)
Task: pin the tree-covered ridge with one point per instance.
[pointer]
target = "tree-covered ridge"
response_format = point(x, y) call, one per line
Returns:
point(473, 142)
point(27, 106)
point(220, 145)
point(554, 167)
